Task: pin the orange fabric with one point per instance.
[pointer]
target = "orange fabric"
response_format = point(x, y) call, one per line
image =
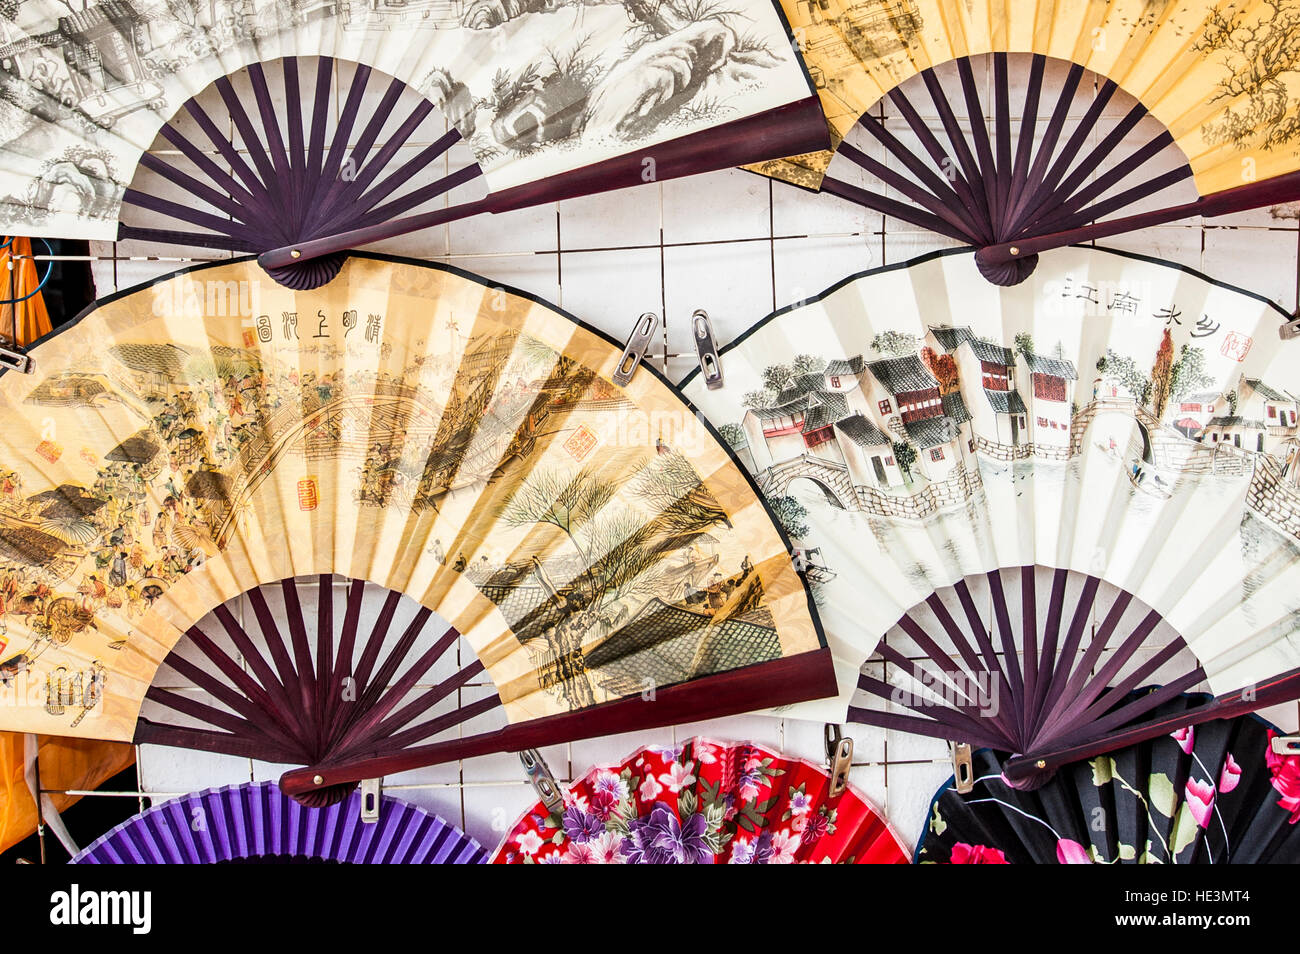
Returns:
point(33, 320)
point(65, 764)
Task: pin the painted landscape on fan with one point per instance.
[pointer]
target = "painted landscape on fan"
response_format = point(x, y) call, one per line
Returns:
point(535, 87)
point(406, 425)
point(1115, 415)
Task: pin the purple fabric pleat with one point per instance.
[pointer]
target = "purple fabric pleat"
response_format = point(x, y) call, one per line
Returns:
point(244, 822)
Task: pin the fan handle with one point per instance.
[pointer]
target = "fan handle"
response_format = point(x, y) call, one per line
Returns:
point(1277, 691)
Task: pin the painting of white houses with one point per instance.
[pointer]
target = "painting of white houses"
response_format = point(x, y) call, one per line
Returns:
point(1275, 409)
point(908, 403)
point(1245, 433)
point(869, 454)
point(1052, 386)
point(998, 412)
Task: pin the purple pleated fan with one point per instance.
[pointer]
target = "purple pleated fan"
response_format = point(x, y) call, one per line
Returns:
point(256, 822)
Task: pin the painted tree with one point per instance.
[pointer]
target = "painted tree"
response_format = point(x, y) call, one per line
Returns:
point(1260, 50)
point(894, 343)
point(756, 400)
point(1162, 376)
point(777, 377)
point(905, 455)
point(1120, 368)
point(807, 364)
point(734, 435)
point(1024, 344)
point(944, 369)
point(791, 514)
point(1188, 373)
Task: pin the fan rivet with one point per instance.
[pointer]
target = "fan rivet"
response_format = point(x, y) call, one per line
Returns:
point(1014, 250)
point(318, 780)
point(1041, 763)
point(295, 253)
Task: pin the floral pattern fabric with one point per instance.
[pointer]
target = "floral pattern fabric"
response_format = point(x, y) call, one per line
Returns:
point(704, 802)
point(1215, 792)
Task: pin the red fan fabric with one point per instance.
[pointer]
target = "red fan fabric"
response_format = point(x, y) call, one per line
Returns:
point(704, 802)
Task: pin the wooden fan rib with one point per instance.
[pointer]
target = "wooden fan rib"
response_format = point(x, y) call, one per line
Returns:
point(1134, 680)
point(980, 135)
point(148, 732)
point(324, 667)
point(1086, 662)
point(1024, 140)
point(915, 725)
point(266, 677)
point(1128, 197)
point(241, 197)
point(1029, 641)
point(359, 156)
point(385, 732)
point(1047, 659)
point(304, 668)
point(257, 152)
point(965, 158)
point(343, 657)
point(939, 200)
point(217, 200)
point(372, 691)
point(255, 719)
point(374, 714)
point(402, 741)
point(1006, 636)
point(1049, 193)
point(965, 705)
point(184, 213)
point(1098, 682)
point(179, 237)
point(276, 153)
point(315, 163)
point(1002, 136)
point(255, 698)
point(426, 193)
point(1069, 650)
point(274, 639)
point(890, 207)
point(255, 187)
point(379, 633)
point(333, 164)
point(1031, 194)
point(234, 725)
point(958, 189)
point(1104, 182)
point(365, 210)
point(959, 726)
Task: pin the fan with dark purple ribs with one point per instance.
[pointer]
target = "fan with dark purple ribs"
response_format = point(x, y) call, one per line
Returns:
point(1047, 695)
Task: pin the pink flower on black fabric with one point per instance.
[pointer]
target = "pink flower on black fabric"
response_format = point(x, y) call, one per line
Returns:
point(660, 839)
point(1186, 738)
point(1200, 800)
point(1286, 778)
point(964, 854)
point(1071, 853)
point(1230, 776)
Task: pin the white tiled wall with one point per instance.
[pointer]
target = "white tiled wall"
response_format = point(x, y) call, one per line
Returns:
point(738, 246)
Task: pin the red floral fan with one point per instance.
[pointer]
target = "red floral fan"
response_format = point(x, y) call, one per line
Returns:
point(704, 802)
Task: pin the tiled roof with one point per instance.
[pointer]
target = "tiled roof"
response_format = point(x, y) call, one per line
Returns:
point(1053, 367)
point(1005, 402)
point(781, 410)
point(992, 353)
point(930, 432)
point(27, 546)
point(1235, 420)
point(853, 365)
point(665, 644)
point(862, 432)
point(901, 375)
point(139, 448)
point(954, 406)
point(1200, 397)
point(824, 409)
point(1266, 392)
point(949, 337)
point(801, 385)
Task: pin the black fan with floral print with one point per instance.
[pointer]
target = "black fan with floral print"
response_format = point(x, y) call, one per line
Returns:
point(1220, 792)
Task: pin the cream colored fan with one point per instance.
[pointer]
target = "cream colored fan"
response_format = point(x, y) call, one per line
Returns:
point(971, 463)
point(408, 425)
point(554, 98)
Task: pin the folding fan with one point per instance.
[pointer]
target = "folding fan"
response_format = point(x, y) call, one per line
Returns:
point(1042, 494)
point(456, 443)
point(1215, 793)
point(554, 99)
point(256, 824)
point(704, 803)
point(1219, 80)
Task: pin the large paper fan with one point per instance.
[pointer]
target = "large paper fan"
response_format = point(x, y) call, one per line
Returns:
point(703, 802)
point(554, 100)
point(1214, 793)
point(1020, 166)
point(1033, 500)
point(257, 824)
point(593, 548)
